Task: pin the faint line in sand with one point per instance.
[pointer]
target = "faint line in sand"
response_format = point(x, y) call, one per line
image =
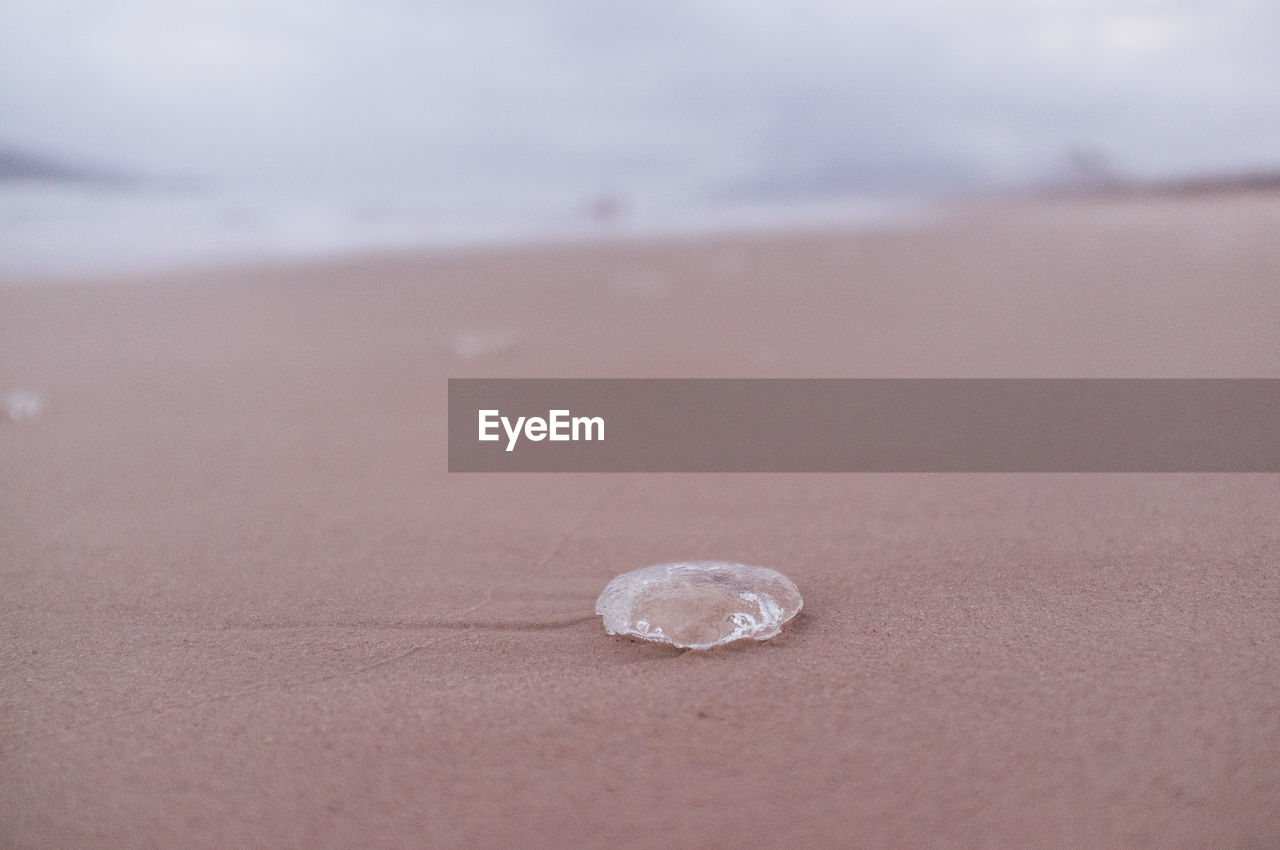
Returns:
point(463, 627)
point(564, 538)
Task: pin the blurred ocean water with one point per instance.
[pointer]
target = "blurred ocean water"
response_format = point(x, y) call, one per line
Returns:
point(76, 230)
point(54, 231)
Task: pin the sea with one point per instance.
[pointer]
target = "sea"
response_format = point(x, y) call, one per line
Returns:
point(52, 231)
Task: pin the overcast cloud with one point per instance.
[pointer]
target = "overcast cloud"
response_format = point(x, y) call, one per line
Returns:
point(568, 97)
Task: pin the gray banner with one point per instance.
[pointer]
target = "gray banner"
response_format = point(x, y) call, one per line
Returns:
point(864, 425)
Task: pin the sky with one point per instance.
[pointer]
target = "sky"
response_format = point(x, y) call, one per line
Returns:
point(711, 98)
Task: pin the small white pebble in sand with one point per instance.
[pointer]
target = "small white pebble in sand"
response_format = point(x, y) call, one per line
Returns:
point(476, 345)
point(22, 405)
point(699, 604)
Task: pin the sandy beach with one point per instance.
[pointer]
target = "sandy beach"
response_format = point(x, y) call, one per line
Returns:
point(245, 604)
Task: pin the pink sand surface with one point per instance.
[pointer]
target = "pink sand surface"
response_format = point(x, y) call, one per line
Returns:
point(244, 604)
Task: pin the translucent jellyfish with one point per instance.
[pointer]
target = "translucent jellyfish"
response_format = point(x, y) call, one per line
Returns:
point(700, 604)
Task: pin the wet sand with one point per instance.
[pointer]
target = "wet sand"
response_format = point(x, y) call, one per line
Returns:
point(244, 604)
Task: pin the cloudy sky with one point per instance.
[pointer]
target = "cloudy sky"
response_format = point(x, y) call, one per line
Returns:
point(567, 97)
